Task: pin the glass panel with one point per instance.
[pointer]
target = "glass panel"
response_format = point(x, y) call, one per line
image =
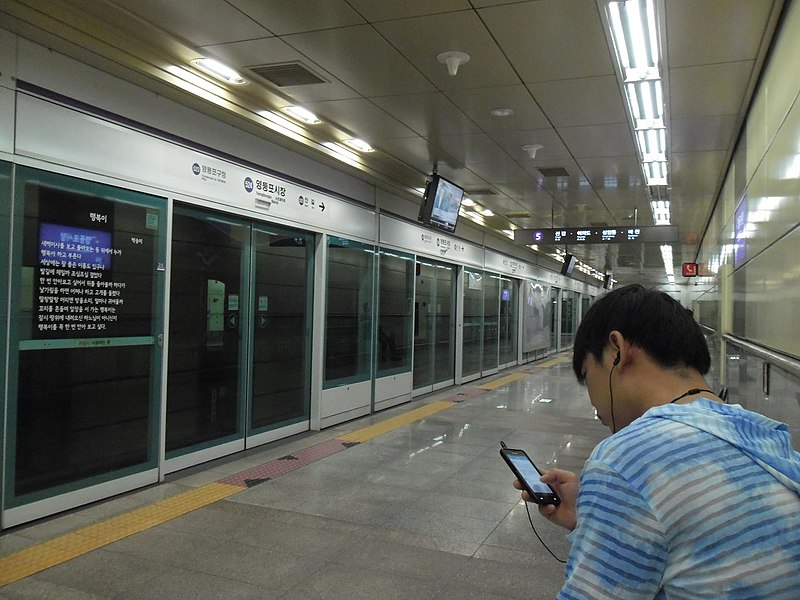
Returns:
point(553, 317)
point(434, 324)
point(473, 322)
point(445, 359)
point(5, 229)
point(204, 335)
point(537, 311)
point(491, 312)
point(394, 312)
point(586, 301)
point(508, 321)
point(567, 318)
point(424, 325)
point(282, 312)
point(348, 317)
point(86, 289)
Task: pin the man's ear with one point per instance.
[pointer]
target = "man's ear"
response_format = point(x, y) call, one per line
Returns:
point(617, 342)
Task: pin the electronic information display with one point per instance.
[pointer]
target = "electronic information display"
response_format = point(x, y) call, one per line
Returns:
point(597, 235)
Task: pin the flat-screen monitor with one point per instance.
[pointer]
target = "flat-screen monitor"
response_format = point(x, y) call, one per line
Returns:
point(441, 203)
point(569, 264)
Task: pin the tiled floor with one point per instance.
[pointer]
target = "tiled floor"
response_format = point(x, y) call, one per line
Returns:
point(425, 510)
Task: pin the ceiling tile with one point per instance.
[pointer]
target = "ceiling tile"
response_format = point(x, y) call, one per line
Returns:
point(584, 101)
point(598, 140)
point(208, 22)
point(702, 133)
point(476, 104)
point(551, 39)
point(430, 115)
point(699, 32)
point(473, 148)
point(709, 89)
point(387, 10)
point(553, 152)
point(362, 118)
point(283, 17)
point(613, 173)
point(361, 59)
point(689, 173)
point(422, 39)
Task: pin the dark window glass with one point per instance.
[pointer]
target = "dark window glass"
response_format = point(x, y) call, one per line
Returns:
point(491, 320)
point(394, 312)
point(348, 317)
point(204, 335)
point(473, 322)
point(281, 369)
point(85, 292)
point(508, 321)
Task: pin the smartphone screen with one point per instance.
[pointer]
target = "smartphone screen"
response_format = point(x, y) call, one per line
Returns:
point(529, 475)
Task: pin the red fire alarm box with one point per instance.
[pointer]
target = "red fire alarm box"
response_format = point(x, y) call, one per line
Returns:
point(689, 269)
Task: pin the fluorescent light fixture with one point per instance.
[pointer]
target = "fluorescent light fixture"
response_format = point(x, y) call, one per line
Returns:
point(341, 151)
point(359, 145)
point(280, 121)
point(468, 202)
point(191, 82)
point(635, 37)
point(301, 114)
point(666, 255)
point(218, 70)
point(661, 212)
point(486, 212)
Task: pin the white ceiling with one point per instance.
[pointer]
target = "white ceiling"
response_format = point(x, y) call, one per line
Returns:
point(547, 60)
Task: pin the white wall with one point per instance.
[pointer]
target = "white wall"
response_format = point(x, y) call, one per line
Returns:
point(758, 291)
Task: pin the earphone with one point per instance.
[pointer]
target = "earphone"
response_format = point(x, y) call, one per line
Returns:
point(611, 392)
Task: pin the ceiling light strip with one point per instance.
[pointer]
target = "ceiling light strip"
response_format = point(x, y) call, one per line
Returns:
point(635, 36)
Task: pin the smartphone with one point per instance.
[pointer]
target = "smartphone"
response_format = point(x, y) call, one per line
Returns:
point(529, 475)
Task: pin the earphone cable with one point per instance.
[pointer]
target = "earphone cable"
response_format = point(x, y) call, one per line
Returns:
point(530, 520)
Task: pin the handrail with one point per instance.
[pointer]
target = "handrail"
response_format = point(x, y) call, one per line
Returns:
point(790, 365)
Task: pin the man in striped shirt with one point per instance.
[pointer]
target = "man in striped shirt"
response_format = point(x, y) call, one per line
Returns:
point(690, 497)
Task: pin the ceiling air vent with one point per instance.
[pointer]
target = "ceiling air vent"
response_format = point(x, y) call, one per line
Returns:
point(553, 171)
point(287, 74)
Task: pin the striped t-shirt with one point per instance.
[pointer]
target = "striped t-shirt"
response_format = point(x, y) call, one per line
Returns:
point(698, 500)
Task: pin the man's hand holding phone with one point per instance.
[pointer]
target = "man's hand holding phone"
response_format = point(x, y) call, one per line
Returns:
point(565, 484)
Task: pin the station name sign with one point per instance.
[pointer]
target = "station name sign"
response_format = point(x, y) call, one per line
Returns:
point(597, 235)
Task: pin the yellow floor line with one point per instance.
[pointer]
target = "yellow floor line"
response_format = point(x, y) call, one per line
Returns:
point(34, 559)
point(373, 431)
point(554, 361)
point(493, 385)
point(23, 563)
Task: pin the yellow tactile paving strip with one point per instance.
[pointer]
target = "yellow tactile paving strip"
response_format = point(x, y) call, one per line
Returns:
point(23, 563)
point(493, 385)
point(553, 361)
point(373, 431)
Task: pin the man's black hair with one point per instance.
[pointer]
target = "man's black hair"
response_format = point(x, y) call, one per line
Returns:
point(649, 319)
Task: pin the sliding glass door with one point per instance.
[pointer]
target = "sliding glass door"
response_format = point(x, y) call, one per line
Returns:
point(434, 325)
point(281, 328)
point(240, 320)
point(86, 330)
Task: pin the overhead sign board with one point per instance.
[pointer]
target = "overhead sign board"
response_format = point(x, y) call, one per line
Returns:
point(597, 235)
